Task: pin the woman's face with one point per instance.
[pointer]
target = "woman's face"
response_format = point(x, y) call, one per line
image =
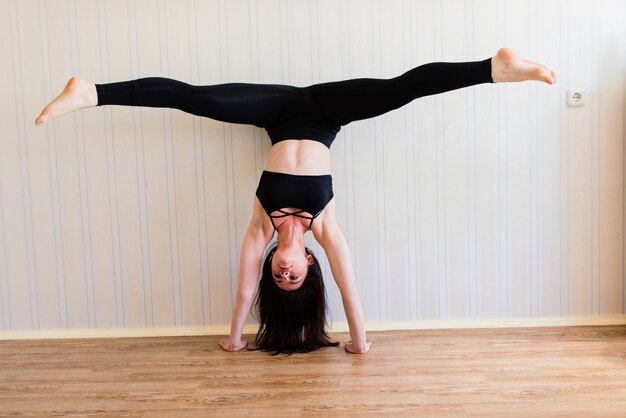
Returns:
point(290, 267)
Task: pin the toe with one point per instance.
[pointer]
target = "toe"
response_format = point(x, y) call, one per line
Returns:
point(543, 74)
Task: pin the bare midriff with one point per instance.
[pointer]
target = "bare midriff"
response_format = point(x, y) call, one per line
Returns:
point(302, 156)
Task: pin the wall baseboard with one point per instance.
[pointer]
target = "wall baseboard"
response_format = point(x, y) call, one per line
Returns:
point(46, 334)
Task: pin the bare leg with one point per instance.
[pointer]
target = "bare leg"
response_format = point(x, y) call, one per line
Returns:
point(77, 94)
point(507, 66)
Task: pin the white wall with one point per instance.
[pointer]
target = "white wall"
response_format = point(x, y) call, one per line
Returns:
point(491, 202)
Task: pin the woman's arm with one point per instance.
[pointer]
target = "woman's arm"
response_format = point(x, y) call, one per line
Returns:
point(256, 239)
point(336, 248)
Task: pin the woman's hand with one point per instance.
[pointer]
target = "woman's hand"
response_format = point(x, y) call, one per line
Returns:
point(350, 348)
point(227, 345)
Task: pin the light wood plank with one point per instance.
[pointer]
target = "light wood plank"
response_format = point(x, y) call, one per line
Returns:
point(566, 371)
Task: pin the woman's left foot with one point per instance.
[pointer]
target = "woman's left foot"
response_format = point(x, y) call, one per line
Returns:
point(507, 66)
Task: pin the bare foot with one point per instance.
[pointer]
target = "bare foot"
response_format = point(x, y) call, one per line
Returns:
point(77, 94)
point(507, 66)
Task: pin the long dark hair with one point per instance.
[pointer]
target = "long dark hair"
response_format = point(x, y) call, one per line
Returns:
point(291, 321)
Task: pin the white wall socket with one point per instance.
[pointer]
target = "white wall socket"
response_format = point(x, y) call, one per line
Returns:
point(576, 97)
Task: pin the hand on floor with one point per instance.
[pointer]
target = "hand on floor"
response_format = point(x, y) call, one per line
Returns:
point(227, 345)
point(351, 349)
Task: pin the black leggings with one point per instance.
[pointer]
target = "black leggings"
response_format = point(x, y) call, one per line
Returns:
point(266, 105)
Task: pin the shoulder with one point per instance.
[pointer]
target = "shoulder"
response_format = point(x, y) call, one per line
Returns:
point(325, 225)
point(260, 223)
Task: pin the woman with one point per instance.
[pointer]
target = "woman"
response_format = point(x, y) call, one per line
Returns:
point(295, 190)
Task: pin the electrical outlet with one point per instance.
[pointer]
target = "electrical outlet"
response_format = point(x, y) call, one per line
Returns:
point(576, 97)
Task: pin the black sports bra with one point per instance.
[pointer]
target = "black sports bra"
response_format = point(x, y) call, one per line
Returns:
point(310, 194)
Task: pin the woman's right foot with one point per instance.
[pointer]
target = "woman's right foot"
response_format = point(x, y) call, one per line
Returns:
point(77, 94)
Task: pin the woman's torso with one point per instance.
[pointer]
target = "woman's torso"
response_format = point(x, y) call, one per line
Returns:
point(298, 158)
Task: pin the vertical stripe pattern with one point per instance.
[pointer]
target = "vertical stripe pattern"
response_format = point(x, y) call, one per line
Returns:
point(494, 201)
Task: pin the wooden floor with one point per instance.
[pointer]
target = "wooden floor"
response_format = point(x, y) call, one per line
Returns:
point(564, 372)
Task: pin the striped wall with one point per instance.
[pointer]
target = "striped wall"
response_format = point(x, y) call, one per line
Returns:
point(491, 202)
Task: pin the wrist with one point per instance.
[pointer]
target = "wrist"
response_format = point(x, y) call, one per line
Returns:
point(358, 349)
